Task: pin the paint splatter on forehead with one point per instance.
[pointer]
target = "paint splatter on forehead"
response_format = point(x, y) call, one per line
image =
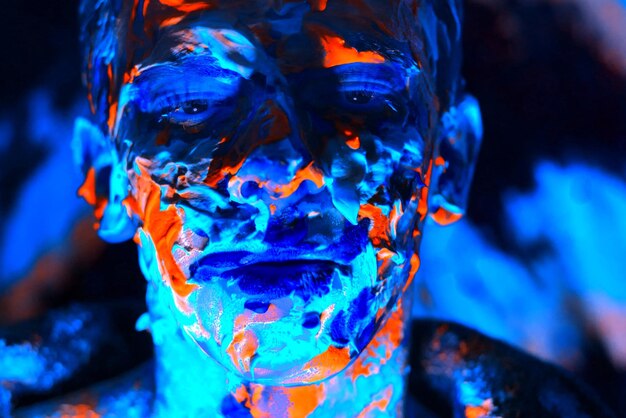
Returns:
point(120, 34)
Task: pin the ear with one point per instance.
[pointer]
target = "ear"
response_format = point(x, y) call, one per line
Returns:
point(106, 182)
point(454, 160)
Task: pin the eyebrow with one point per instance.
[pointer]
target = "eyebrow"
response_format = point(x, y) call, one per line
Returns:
point(199, 65)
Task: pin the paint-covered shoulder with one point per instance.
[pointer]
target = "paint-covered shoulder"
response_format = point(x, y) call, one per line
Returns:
point(130, 395)
point(456, 370)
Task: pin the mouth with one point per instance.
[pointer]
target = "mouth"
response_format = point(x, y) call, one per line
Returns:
point(306, 269)
point(272, 279)
point(305, 278)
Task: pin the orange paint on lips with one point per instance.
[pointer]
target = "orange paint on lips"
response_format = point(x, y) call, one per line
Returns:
point(251, 399)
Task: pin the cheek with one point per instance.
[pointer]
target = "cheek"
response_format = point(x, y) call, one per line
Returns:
point(395, 205)
point(393, 192)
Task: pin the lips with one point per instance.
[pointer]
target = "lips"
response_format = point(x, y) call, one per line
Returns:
point(306, 269)
point(273, 279)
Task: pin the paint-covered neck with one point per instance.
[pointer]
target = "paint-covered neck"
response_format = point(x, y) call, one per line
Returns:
point(372, 386)
point(190, 383)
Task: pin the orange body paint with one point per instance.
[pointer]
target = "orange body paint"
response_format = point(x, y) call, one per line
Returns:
point(338, 53)
point(163, 226)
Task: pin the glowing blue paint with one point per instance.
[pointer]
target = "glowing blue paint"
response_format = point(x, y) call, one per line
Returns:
point(277, 170)
point(6, 132)
point(20, 363)
point(24, 241)
point(575, 213)
point(582, 215)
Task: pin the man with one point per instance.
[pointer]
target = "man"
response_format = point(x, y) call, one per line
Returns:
point(275, 162)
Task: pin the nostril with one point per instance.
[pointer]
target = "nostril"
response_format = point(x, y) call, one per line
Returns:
point(311, 320)
point(257, 306)
point(249, 188)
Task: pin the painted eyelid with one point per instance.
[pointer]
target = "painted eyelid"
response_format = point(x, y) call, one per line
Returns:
point(167, 103)
point(369, 86)
point(157, 91)
point(380, 74)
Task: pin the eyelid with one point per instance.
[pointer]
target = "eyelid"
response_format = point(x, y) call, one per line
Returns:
point(379, 77)
point(373, 86)
point(164, 85)
point(151, 99)
point(174, 100)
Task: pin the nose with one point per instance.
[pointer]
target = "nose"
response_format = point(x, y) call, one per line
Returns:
point(278, 161)
point(276, 173)
point(289, 166)
point(283, 184)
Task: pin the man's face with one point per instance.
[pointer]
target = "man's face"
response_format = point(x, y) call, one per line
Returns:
point(278, 171)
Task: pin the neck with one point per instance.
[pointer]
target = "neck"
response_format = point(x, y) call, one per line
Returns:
point(190, 383)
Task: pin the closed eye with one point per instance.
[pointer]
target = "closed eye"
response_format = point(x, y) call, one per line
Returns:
point(358, 89)
point(188, 112)
point(364, 94)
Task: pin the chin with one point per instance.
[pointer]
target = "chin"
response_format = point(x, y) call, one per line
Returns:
point(286, 323)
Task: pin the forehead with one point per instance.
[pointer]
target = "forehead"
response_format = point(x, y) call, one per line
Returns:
point(284, 15)
point(298, 34)
point(120, 35)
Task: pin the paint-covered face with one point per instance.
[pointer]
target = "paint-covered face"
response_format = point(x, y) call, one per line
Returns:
point(278, 172)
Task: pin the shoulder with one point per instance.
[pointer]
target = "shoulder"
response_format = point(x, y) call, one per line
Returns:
point(455, 369)
point(128, 396)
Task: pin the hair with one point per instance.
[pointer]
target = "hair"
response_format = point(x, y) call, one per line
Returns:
point(115, 34)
